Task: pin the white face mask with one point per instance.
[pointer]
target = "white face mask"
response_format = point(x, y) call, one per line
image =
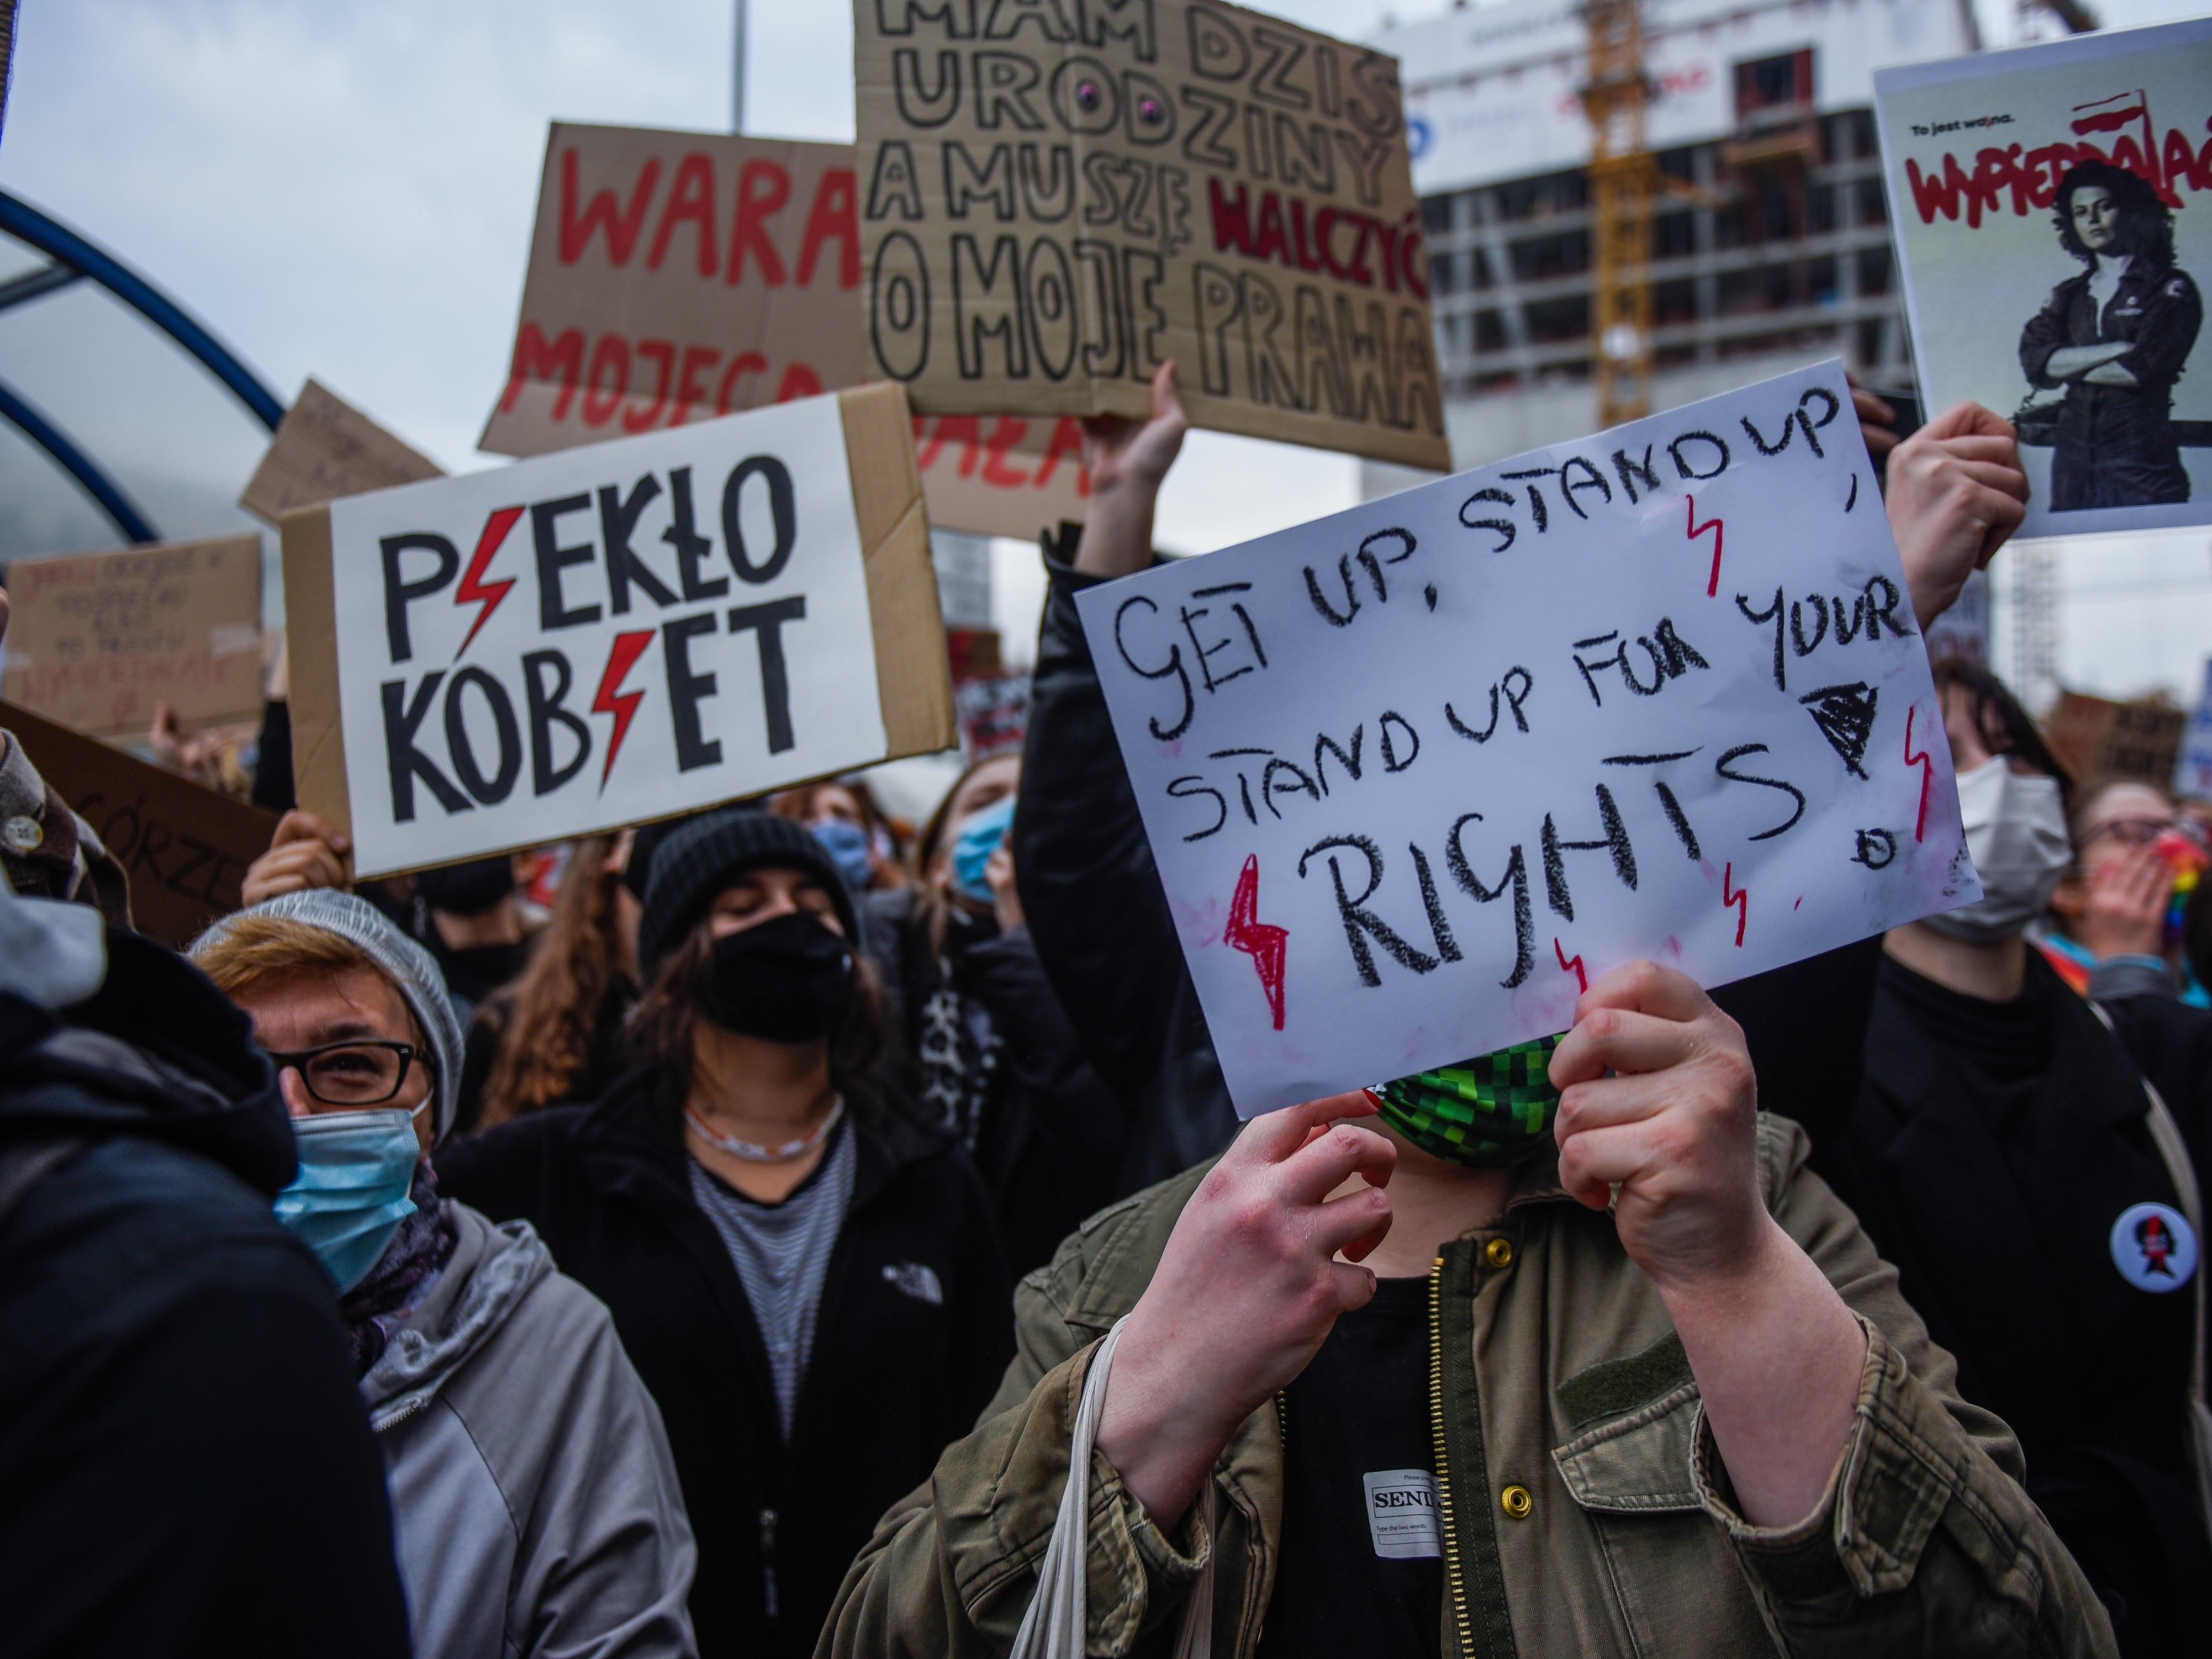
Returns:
point(2016, 835)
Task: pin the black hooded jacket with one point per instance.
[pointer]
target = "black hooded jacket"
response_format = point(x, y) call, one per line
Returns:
point(185, 1467)
point(902, 1358)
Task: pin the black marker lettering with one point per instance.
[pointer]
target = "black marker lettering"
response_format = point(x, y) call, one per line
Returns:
point(1361, 924)
point(1516, 872)
point(1722, 766)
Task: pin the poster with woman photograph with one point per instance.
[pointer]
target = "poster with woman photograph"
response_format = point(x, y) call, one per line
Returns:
point(2053, 212)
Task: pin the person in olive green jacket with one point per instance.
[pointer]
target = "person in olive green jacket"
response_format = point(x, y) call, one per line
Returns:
point(1694, 1418)
point(1673, 1401)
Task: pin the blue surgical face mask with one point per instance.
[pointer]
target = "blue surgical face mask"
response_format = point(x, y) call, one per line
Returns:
point(846, 843)
point(350, 1195)
point(980, 833)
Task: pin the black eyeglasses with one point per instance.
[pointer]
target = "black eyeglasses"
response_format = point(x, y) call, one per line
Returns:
point(364, 1071)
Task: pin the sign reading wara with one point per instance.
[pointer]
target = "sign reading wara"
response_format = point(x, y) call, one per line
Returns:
point(615, 632)
point(1416, 774)
point(1058, 196)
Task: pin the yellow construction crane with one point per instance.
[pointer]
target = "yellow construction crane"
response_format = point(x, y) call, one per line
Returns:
point(1623, 182)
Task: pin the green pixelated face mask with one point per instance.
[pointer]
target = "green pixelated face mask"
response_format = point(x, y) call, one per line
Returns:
point(1488, 1112)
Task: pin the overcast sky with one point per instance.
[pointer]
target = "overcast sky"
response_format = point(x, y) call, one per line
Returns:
point(346, 190)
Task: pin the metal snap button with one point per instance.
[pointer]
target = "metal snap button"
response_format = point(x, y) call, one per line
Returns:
point(1498, 1253)
point(1516, 1501)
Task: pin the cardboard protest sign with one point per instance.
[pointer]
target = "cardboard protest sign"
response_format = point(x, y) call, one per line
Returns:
point(2192, 767)
point(2097, 739)
point(1056, 198)
point(96, 640)
point(679, 275)
point(325, 448)
point(1415, 774)
point(184, 847)
point(615, 634)
point(2053, 208)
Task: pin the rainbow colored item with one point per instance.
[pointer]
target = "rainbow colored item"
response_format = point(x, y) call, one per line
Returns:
point(1488, 1112)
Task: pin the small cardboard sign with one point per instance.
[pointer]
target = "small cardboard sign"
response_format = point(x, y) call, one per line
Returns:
point(674, 276)
point(2095, 353)
point(2096, 738)
point(615, 634)
point(184, 846)
point(95, 640)
point(326, 448)
point(2192, 767)
point(1056, 199)
point(1416, 774)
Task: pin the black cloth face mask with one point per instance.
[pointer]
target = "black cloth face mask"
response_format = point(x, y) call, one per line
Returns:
point(473, 889)
point(787, 980)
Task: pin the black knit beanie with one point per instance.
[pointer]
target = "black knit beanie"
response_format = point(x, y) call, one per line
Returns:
point(702, 859)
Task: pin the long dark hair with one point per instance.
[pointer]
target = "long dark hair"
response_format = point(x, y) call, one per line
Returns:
point(549, 1018)
point(2146, 222)
point(661, 1030)
point(2006, 727)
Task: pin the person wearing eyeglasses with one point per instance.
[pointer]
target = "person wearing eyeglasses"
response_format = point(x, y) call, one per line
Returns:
point(2119, 909)
point(534, 1500)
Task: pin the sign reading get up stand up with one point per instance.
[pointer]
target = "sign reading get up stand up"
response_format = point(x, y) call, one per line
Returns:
point(615, 632)
point(1058, 196)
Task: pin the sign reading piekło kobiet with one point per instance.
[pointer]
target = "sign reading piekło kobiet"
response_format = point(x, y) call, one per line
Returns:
point(615, 632)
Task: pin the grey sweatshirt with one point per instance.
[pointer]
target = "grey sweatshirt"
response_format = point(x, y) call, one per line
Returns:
point(535, 1502)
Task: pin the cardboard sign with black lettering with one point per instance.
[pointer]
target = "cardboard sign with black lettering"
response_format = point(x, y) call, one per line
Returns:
point(1058, 196)
point(1416, 774)
point(184, 847)
point(615, 632)
point(679, 275)
point(96, 640)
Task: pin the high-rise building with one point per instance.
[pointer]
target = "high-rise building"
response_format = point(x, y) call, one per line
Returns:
point(1771, 243)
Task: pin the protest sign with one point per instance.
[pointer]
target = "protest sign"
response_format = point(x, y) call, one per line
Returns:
point(1415, 774)
point(2192, 768)
point(615, 634)
point(1057, 198)
point(184, 847)
point(2051, 206)
point(639, 313)
point(2096, 738)
point(95, 640)
point(325, 448)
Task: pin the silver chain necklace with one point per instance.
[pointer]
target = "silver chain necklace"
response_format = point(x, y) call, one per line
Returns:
point(754, 1152)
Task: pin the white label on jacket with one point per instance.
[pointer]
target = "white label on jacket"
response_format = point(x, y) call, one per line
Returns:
point(1402, 1515)
point(2154, 1247)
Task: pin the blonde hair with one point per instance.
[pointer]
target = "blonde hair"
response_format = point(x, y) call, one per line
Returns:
point(254, 950)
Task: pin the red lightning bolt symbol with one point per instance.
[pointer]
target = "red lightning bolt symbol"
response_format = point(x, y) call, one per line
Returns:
point(612, 700)
point(1712, 584)
point(1739, 897)
point(474, 590)
point(1924, 761)
point(1571, 965)
point(1266, 945)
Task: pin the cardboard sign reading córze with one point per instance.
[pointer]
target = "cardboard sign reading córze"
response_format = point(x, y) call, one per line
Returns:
point(674, 276)
point(184, 847)
point(1056, 199)
point(1415, 774)
point(96, 640)
point(615, 632)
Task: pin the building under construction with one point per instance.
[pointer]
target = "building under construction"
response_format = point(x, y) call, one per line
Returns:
point(1744, 142)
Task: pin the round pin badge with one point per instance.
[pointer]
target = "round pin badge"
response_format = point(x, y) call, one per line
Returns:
point(2153, 1247)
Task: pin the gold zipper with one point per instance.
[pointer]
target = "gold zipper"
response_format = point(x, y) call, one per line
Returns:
point(1455, 1586)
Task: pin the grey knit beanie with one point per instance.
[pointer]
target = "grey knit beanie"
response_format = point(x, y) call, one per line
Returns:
point(405, 963)
point(699, 860)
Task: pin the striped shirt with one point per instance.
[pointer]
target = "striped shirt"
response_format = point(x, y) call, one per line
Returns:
point(782, 1252)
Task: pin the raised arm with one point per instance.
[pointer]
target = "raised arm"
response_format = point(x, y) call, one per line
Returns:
point(1956, 495)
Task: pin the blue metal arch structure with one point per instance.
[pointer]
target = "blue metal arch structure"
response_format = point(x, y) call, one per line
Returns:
point(74, 258)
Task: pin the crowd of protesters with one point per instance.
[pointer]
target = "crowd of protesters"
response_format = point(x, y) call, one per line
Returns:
point(787, 1230)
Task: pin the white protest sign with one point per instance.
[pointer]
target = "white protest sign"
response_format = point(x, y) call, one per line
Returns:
point(1413, 774)
point(604, 636)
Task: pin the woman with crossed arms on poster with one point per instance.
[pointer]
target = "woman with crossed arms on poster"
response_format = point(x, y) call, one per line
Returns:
point(1645, 1372)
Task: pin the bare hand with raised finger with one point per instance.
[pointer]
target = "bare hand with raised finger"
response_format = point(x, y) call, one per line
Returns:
point(1658, 1116)
point(1956, 493)
point(305, 853)
point(1258, 1268)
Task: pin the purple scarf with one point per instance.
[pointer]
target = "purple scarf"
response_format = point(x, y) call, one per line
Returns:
point(380, 1304)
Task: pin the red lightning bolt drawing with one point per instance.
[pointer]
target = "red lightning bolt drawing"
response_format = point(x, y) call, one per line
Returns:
point(1571, 964)
point(474, 590)
point(1925, 762)
point(1266, 945)
point(1737, 897)
point(613, 700)
point(1713, 583)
